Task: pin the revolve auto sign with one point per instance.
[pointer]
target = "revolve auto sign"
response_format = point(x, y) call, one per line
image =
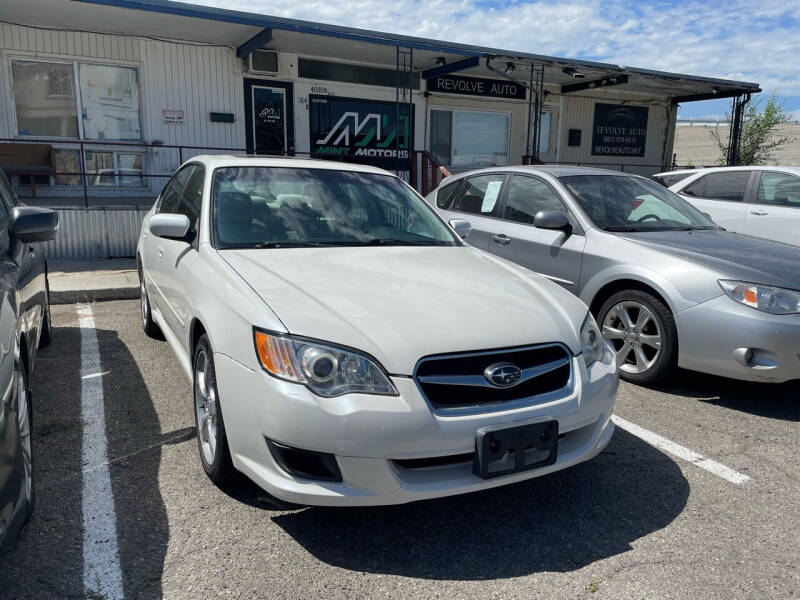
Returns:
point(619, 130)
point(476, 86)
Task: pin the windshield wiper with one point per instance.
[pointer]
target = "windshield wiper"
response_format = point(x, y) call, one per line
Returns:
point(262, 245)
point(628, 228)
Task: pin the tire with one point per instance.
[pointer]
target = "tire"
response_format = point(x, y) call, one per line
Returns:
point(25, 437)
point(47, 334)
point(212, 441)
point(151, 329)
point(642, 330)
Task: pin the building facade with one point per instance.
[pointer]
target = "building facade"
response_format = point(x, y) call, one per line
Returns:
point(102, 100)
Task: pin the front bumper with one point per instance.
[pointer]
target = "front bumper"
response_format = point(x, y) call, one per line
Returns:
point(370, 435)
point(713, 338)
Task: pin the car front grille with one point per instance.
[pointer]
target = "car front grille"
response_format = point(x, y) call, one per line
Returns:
point(456, 382)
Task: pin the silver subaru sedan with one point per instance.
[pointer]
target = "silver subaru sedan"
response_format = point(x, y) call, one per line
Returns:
point(668, 286)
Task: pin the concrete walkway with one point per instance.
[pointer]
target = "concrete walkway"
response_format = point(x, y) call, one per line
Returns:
point(92, 281)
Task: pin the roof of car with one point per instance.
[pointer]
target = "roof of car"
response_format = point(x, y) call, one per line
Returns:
point(228, 160)
point(718, 169)
point(552, 170)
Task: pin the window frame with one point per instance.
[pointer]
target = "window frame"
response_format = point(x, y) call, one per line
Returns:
point(174, 178)
point(452, 110)
point(747, 195)
point(500, 195)
point(573, 221)
point(756, 186)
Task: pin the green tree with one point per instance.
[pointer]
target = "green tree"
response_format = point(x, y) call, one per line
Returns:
point(759, 138)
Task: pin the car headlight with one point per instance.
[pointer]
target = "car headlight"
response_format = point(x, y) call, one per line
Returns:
point(326, 370)
point(766, 298)
point(591, 340)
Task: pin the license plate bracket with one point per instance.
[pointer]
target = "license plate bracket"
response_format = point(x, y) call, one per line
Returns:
point(503, 450)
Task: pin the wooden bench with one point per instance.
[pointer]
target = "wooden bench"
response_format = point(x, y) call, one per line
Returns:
point(27, 160)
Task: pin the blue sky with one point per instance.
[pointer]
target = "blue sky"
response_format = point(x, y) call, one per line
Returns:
point(737, 39)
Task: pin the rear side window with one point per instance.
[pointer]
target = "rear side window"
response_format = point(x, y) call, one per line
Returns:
point(729, 186)
point(779, 189)
point(479, 195)
point(445, 195)
point(670, 180)
point(696, 189)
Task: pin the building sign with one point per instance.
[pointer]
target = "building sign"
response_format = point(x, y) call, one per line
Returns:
point(173, 117)
point(363, 131)
point(476, 86)
point(619, 130)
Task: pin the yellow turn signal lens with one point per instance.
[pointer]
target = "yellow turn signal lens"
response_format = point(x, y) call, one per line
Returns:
point(276, 355)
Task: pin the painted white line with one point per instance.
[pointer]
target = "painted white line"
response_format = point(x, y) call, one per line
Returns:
point(691, 456)
point(93, 375)
point(102, 575)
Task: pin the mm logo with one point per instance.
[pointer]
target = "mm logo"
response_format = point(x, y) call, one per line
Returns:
point(269, 112)
point(343, 127)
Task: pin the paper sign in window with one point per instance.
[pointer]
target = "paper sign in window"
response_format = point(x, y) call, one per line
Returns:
point(490, 196)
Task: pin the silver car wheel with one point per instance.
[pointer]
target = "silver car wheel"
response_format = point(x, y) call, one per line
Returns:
point(205, 405)
point(24, 421)
point(634, 332)
point(143, 300)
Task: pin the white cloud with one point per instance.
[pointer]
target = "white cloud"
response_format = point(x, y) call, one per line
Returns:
point(736, 41)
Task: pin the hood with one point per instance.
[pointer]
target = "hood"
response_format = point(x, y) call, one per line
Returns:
point(732, 255)
point(401, 303)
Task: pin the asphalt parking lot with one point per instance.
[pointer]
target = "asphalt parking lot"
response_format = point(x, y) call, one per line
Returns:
point(636, 522)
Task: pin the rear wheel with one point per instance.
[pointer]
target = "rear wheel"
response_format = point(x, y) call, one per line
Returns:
point(150, 327)
point(642, 330)
point(212, 440)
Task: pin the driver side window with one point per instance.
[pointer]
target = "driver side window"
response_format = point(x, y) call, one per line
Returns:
point(526, 197)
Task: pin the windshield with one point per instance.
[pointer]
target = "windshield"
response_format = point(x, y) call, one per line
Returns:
point(277, 207)
point(619, 203)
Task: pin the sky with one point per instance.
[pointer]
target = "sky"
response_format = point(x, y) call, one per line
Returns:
point(747, 41)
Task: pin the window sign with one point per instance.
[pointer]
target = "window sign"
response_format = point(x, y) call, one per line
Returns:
point(110, 102)
point(365, 131)
point(490, 196)
point(619, 130)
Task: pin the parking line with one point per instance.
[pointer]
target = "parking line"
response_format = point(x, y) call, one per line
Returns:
point(691, 456)
point(102, 575)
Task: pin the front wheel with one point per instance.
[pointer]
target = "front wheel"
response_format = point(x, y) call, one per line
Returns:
point(24, 431)
point(212, 440)
point(643, 332)
point(148, 324)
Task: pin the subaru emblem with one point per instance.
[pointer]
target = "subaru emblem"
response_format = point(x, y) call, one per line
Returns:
point(502, 374)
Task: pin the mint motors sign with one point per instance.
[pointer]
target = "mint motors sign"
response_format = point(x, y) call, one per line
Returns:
point(619, 130)
point(363, 131)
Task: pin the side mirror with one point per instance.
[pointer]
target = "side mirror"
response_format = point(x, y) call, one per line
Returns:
point(461, 227)
point(30, 224)
point(551, 219)
point(169, 226)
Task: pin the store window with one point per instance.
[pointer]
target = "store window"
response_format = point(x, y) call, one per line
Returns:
point(82, 101)
point(469, 138)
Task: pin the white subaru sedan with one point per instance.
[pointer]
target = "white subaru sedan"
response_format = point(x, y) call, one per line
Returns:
point(347, 348)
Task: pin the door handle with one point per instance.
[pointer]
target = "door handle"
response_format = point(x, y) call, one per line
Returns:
point(161, 252)
point(502, 239)
point(760, 212)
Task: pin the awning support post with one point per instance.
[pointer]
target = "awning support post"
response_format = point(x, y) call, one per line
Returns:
point(737, 115)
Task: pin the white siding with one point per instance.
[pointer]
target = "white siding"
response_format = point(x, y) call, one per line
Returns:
point(172, 75)
point(578, 113)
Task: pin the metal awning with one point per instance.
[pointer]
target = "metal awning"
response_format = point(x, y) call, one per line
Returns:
point(244, 32)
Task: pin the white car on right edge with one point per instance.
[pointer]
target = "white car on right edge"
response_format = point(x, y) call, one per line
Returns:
point(759, 201)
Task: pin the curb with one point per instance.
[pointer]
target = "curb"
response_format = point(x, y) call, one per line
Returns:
point(93, 295)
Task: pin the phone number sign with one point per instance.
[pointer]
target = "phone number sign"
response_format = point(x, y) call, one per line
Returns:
point(619, 130)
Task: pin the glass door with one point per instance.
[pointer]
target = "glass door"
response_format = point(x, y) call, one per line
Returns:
point(269, 121)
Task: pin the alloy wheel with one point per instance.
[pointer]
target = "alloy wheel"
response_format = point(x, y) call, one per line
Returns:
point(205, 404)
point(143, 301)
point(634, 332)
point(24, 421)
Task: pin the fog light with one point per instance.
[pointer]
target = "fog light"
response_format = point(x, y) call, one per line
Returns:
point(305, 463)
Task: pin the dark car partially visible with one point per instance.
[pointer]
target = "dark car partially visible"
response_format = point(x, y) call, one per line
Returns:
point(24, 327)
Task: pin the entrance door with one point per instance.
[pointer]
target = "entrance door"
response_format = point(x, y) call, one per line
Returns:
point(269, 117)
